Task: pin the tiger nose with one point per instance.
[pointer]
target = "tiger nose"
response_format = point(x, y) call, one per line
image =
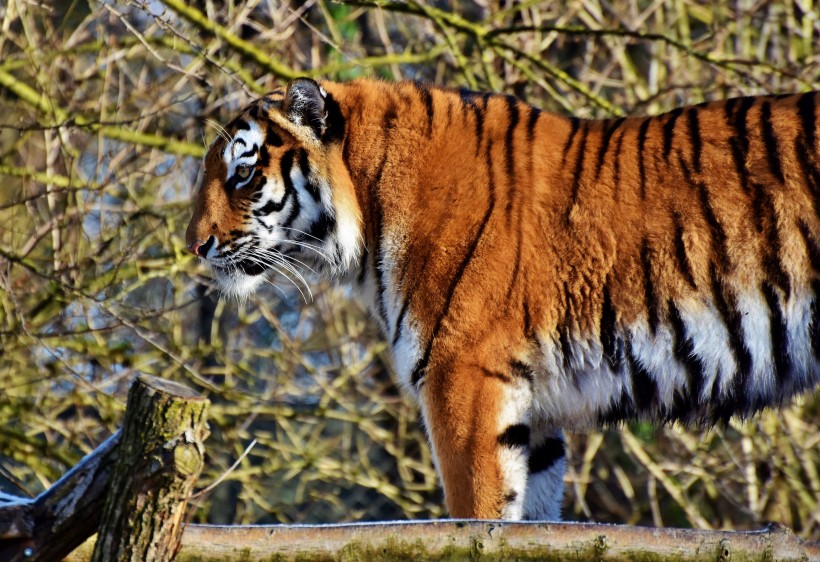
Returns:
point(200, 248)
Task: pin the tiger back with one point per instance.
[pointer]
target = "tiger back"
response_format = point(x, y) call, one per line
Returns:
point(533, 272)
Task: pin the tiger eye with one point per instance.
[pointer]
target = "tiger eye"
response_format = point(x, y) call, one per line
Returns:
point(243, 172)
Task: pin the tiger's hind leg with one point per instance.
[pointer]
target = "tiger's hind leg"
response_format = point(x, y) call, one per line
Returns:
point(546, 466)
point(478, 422)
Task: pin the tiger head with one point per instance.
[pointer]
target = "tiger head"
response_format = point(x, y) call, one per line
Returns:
point(275, 193)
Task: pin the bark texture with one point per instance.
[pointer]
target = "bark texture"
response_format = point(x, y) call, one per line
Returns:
point(484, 540)
point(159, 460)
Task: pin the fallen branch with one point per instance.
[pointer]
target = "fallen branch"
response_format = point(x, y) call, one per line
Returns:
point(57, 521)
point(484, 540)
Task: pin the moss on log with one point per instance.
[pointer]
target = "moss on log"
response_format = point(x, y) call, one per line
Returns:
point(159, 460)
point(483, 540)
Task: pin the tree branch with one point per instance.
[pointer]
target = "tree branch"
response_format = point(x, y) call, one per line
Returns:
point(493, 540)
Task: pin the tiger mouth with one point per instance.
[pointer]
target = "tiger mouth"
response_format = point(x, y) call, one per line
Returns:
point(247, 267)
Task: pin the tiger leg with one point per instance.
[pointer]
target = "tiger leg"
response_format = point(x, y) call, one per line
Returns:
point(478, 423)
point(545, 483)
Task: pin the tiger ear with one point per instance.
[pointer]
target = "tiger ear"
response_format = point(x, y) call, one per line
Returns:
point(305, 105)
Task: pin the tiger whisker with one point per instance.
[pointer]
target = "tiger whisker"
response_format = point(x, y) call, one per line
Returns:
point(301, 232)
point(270, 253)
point(272, 262)
point(219, 129)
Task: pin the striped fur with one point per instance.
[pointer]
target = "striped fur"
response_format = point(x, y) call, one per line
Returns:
point(533, 272)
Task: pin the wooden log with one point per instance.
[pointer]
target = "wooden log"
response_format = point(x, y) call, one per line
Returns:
point(484, 540)
point(159, 460)
point(57, 521)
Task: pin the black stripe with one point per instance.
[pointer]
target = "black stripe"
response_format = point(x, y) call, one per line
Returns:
point(427, 98)
point(770, 141)
point(509, 147)
point(521, 370)
point(509, 154)
point(810, 172)
point(563, 339)
point(409, 290)
point(812, 247)
point(644, 385)
point(418, 370)
point(616, 172)
point(669, 132)
point(516, 435)
point(574, 122)
point(719, 245)
point(542, 457)
point(275, 206)
point(778, 332)
point(517, 267)
point(250, 267)
point(651, 297)
point(503, 377)
point(241, 125)
point(535, 113)
point(295, 206)
point(264, 157)
point(272, 138)
point(695, 139)
point(766, 216)
point(527, 320)
point(611, 344)
point(740, 123)
point(320, 228)
point(619, 410)
point(334, 121)
point(258, 189)
point(739, 159)
point(304, 167)
point(684, 351)
point(286, 164)
point(376, 218)
point(729, 107)
point(363, 266)
point(614, 126)
point(397, 330)
point(578, 170)
point(468, 99)
point(641, 164)
point(684, 266)
point(805, 109)
point(726, 305)
point(814, 325)
point(390, 117)
point(250, 152)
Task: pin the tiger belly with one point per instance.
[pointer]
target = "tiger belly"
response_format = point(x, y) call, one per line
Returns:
point(695, 367)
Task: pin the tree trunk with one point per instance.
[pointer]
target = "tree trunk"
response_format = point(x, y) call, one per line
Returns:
point(159, 459)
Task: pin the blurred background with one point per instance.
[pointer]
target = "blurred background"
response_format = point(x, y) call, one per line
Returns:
point(104, 116)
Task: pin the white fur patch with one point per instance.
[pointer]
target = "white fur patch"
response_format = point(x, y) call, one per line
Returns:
point(515, 409)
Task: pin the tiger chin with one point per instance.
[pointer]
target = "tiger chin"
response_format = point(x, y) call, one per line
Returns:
point(532, 272)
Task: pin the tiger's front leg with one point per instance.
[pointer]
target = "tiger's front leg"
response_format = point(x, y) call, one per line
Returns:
point(478, 421)
point(547, 464)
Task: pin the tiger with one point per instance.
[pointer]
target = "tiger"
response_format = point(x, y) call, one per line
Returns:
point(531, 272)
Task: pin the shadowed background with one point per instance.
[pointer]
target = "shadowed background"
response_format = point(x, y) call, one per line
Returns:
point(105, 111)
